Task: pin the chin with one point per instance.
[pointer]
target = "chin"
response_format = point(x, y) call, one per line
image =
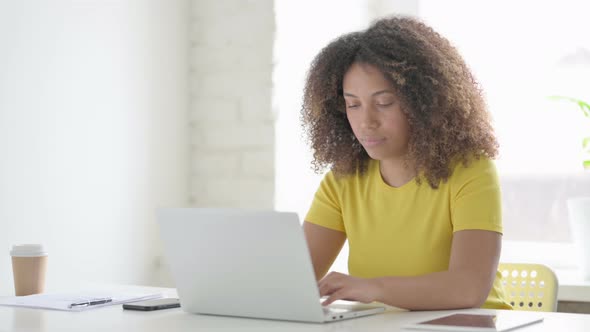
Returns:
point(375, 155)
point(383, 155)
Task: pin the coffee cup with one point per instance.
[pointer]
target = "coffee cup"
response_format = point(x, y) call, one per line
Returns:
point(29, 265)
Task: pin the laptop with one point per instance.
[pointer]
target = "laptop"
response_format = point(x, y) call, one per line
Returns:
point(246, 263)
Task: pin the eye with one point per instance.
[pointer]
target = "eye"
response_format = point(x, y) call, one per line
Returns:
point(385, 104)
point(352, 106)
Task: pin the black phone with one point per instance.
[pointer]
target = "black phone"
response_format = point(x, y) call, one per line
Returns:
point(150, 305)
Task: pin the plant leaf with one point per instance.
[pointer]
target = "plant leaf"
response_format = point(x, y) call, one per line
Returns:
point(586, 164)
point(584, 107)
point(586, 143)
point(562, 98)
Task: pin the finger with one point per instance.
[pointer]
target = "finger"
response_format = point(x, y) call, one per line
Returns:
point(328, 283)
point(329, 288)
point(330, 278)
point(333, 275)
point(325, 279)
point(338, 295)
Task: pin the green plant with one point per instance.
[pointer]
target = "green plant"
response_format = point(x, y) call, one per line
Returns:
point(585, 108)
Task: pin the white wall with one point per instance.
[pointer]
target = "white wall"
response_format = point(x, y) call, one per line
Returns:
point(232, 123)
point(93, 104)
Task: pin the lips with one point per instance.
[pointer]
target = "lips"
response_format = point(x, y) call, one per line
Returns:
point(372, 141)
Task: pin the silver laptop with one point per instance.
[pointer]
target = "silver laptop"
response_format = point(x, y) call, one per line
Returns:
point(247, 264)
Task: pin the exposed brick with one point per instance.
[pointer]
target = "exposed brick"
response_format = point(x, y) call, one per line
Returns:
point(232, 85)
point(220, 24)
point(258, 163)
point(234, 135)
point(232, 123)
point(216, 164)
point(236, 59)
point(232, 192)
point(213, 110)
point(256, 108)
point(228, 8)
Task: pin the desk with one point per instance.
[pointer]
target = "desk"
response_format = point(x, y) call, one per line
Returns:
point(574, 292)
point(572, 287)
point(114, 318)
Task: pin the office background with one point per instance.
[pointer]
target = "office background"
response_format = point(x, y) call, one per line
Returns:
point(110, 109)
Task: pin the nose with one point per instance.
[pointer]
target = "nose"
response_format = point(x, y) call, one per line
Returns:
point(369, 119)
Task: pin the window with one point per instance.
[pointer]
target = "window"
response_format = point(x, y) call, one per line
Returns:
point(522, 52)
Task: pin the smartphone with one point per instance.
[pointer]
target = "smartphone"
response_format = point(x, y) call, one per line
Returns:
point(150, 305)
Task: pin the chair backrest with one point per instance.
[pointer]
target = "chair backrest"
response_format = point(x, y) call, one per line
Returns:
point(530, 287)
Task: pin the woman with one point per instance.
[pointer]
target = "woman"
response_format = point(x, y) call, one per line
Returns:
point(401, 122)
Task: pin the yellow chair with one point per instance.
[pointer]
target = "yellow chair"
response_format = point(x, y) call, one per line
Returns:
point(529, 287)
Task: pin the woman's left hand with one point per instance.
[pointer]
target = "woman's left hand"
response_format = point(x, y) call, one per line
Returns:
point(339, 286)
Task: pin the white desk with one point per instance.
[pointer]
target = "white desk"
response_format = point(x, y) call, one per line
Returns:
point(572, 287)
point(114, 318)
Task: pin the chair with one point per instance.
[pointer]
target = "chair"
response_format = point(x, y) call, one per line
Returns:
point(529, 287)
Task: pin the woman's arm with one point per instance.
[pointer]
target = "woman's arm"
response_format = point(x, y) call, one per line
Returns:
point(466, 284)
point(324, 245)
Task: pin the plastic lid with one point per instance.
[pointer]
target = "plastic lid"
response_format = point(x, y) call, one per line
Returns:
point(28, 250)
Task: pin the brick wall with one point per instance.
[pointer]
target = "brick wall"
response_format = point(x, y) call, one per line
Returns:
point(231, 118)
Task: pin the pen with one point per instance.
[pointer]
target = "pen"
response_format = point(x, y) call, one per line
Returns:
point(90, 302)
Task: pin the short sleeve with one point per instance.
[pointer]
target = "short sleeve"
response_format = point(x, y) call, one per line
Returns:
point(326, 209)
point(476, 197)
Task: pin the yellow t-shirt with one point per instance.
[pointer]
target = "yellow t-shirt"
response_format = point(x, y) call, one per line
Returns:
point(408, 231)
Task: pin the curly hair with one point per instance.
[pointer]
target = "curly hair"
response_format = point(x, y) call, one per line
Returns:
point(442, 100)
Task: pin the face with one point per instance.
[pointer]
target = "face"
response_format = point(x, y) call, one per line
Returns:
point(374, 112)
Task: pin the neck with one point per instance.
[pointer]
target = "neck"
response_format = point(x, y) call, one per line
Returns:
point(396, 172)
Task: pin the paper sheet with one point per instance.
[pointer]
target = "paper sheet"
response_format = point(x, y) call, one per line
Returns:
point(62, 301)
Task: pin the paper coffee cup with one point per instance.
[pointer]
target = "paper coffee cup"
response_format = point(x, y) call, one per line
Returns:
point(29, 265)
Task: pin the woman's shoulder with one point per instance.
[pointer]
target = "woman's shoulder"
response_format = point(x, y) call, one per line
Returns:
point(474, 163)
point(472, 168)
